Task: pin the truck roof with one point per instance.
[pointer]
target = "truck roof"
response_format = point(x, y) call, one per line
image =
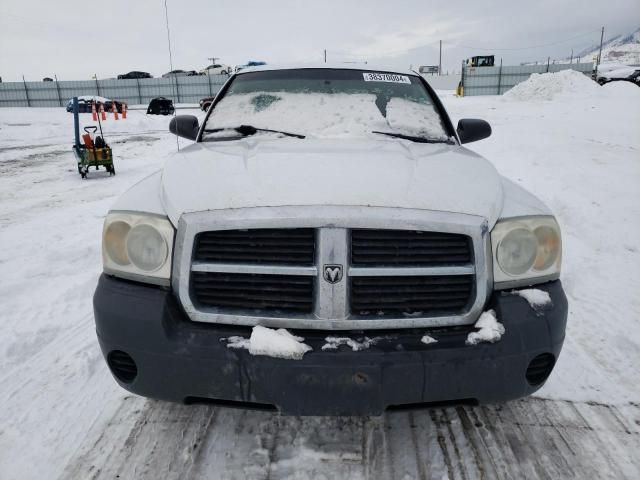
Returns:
point(330, 66)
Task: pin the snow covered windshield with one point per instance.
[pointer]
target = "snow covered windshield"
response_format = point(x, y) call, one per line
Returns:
point(324, 103)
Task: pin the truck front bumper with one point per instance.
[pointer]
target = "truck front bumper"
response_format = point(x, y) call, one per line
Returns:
point(160, 353)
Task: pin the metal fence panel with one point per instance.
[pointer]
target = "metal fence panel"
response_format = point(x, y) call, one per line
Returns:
point(132, 91)
point(500, 79)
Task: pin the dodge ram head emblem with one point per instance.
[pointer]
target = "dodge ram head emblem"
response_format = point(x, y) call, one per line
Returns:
point(332, 273)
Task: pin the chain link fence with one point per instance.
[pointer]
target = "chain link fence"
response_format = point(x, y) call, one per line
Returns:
point(499, 79)
point(133, 91)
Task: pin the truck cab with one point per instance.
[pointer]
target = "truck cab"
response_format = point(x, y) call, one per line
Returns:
point(481, 61)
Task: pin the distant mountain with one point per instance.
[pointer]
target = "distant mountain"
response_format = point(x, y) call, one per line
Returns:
point(623, 49)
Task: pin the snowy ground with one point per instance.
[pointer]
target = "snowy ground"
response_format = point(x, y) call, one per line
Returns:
point(62, 415)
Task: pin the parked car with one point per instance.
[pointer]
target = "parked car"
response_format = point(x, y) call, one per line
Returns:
point(205, 103)
point(180, 73)
point(161, 106)
point(340, 204)
point(84, 104)
point(622, 75)
point(134, 74)
point(47, 79)
point(250, 63)
point(216, 69)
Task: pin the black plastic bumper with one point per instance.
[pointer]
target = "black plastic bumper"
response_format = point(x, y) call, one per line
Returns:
point(180, 360)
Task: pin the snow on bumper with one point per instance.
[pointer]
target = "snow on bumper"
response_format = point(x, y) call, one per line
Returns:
point(179, 360)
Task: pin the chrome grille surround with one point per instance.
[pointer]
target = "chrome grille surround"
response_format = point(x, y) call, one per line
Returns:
point(332, 224)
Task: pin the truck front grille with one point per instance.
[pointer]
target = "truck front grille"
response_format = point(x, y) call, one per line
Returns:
point(411, 295)
point(387, 248)
point(235, 291)
point(266, 246)
point(331, 268)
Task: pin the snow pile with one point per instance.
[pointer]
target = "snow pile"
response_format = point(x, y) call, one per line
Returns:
point(413, 118)
point(547, 86)
point(490, 329)
point(272, 343)
point(622, 90)
point(428, 340)
point(536, 298)
point(356, 345)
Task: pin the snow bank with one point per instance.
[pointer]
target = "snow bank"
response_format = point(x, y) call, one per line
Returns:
point(623, 90)
point(356, 345)
point(428, 340)
point(490, 329)
point(547, 86)
point(537, 298)
point(272, 343)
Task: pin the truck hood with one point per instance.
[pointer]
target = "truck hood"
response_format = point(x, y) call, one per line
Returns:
point(386, 172)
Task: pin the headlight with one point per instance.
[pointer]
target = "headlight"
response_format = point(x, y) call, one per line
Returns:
point(138, 247)
point(526, 250)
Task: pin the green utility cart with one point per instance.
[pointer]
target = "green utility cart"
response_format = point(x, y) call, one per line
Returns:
point(92, 151)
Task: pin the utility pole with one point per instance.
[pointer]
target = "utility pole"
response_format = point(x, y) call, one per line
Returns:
point(325, 55)
point(213, 59)
point(571, 61)
point(599, 52)
point(440, 60)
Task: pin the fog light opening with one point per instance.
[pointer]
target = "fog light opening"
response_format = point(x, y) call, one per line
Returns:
point(122, 366)
point(540, 368)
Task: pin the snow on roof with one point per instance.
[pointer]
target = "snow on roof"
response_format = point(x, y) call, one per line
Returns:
point(97, 98)
point(330, 66)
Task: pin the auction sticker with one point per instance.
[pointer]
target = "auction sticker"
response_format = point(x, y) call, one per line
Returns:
point(385, 77)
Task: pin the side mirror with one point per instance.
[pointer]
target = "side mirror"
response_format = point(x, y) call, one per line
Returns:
point(185, 126)
point(473, 129)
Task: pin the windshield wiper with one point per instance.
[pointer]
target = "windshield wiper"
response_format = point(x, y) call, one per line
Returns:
point(246, 130)
point(413, 138)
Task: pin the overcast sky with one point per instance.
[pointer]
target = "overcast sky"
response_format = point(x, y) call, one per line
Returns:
point(75, 39)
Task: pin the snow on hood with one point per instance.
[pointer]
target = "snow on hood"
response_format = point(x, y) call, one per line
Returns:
point(269, 171)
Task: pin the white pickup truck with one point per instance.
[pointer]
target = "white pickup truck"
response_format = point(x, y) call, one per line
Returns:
point(338, 203)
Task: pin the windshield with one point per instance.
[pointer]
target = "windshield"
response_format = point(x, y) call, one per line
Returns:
point(324, 103)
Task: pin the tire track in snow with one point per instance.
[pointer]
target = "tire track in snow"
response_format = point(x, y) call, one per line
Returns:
point(533, 438)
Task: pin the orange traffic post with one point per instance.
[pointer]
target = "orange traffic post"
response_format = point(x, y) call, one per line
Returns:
point(124, 111)
point(94, 114)
point(115, 110)
point(102, 112)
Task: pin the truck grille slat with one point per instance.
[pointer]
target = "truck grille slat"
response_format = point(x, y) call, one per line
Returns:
point(258, 246)
point(282, 293)
point(385, 248)
point(408, 295)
